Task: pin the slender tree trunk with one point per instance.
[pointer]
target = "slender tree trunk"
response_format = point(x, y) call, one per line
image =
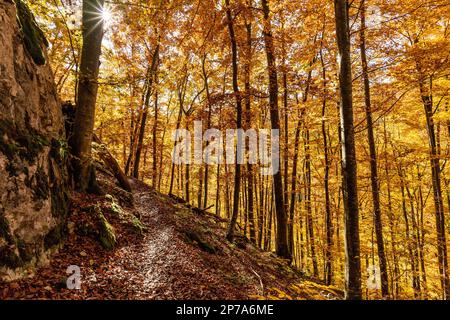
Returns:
point(437, 191)
point(208, 125)
point(308, 206)
point(282, 246)
point(83, 128)
point(187, 172)
point(286, 134)
point(217, 190)
point(237, 170)
point(349, 171)
point(149, 88)
point(328, 215)
point(155, 139)
point(248, 123)
point(416, 238)
point(421, 237)
point(373, 159)
point(409, 241)
point(392, 224)
point(261, 217)
point(181, 95)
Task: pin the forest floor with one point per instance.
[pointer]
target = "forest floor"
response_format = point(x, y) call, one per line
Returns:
point(181, 254)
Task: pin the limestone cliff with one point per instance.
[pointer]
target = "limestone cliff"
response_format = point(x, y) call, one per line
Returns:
point(33, 178)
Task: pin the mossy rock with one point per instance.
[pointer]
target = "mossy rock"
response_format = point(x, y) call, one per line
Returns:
point(194, 237)
point(33, 36)
point(137, 224)
point(106, 233)
point(59, 151)
point(39, 184)
point(117, 210)
point(59, 177)
point(24, 143)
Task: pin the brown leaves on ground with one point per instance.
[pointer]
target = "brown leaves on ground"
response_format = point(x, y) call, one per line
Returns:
point(180, 255)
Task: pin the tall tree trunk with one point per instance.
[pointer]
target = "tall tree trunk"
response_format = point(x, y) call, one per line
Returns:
point(208, 125)
point(416, 238)
point(350, 189)
point(181, 91)
point(409, 241)
point(237, 170)
point(421, 237)
point(392, 224)
point(308, 207)
point(149, 88)
point(127, 159)
point(248, 123)
point(155, 139)
point(427, 100)
point(285, 131)
point(373, 159)
point(282, 246)
point(187, 172)
point(328, 215)
point(83, 128)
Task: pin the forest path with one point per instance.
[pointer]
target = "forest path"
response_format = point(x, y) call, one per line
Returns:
point(166, 266)
point(181, 255)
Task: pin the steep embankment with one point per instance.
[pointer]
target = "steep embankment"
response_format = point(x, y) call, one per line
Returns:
point(180, 254)
point(33, 200)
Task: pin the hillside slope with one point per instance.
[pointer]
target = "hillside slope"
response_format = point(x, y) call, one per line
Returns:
point(177, 253)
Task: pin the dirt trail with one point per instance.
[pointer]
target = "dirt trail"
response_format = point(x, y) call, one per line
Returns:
point(163, 263)
point(163, 260)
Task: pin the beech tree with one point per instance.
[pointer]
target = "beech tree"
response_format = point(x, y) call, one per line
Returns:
point(237, 94)
point(373, 157)
point(281, 239)
point(349, 181)
point(83, 127)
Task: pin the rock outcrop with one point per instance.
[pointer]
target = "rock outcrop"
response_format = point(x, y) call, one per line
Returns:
point(33, 148)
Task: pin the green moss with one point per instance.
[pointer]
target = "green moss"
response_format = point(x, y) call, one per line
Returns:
point(25, 143)
point(31, 143)
point(33, 36)
point(39, 184)
point(59, 196)
point(116, 209)
point(59, 150)
point(107, 236)
point(138, 226)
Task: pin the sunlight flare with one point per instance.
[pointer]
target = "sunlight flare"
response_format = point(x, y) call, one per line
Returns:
point(106, 15)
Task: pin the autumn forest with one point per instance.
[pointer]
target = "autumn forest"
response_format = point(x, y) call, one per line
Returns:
point(359, 95)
